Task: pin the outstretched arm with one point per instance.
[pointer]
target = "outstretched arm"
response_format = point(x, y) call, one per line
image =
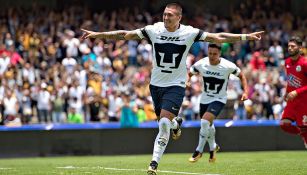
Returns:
point(244, 85)
point(116, 35)
point(231, 38)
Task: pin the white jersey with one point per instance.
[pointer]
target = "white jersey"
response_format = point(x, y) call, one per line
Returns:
point(170, 50)
point(215, 79)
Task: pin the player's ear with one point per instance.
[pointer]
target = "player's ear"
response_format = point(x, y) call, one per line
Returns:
point(179, 17)
point(301, 50)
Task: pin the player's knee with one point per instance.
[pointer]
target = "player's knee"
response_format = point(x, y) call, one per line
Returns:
point(204, 124)
point(204, 128)
point(212, 129)
point(208, 116)
point(285, 121)
point(164, 121)
point(164, 124)
point(286, 125)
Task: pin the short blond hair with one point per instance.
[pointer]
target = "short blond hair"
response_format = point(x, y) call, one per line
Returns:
point(175, 6)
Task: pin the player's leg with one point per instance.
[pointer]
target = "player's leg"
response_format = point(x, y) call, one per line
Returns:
point(207, 130)
point(161, 140)
point(170, 104)
point(301, 121)
point(172, 101)
point(156, 98)
point(202, 138)
point(215, 108)
point(303, 134)
point(214, 148)
point(287, 126)
point(288, 117)
point(176, 127)
point(205, 123)
point(298, 114)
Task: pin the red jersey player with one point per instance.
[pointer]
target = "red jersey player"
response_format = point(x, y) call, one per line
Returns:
point(296, 91)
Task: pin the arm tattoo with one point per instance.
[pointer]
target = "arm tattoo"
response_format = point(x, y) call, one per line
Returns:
point(116, 35)
point(230, 38)
point(223, 38)
point(209, 39)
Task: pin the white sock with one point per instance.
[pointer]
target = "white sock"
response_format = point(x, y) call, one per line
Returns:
point(203, 134)
point(174, 124)
point(161, 139)
point(211, 138)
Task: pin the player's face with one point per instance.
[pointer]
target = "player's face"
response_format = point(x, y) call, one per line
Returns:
point(171, 18)
point(293, 49)
point(213, 54)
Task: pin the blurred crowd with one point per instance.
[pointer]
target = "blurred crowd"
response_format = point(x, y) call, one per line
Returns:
point(47, 74)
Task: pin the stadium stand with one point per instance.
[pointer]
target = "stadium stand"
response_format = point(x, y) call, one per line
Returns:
point(47, 73)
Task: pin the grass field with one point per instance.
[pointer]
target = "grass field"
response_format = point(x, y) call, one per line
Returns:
point(245, 163)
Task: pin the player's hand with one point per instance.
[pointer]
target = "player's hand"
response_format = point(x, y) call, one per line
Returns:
point(255, 36)
point(188, 84)
point(290, 96)
point(244, 96)
point(88, 34)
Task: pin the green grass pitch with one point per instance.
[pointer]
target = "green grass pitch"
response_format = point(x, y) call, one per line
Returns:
point(228, 163)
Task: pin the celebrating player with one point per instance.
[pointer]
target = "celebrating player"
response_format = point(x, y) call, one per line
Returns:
point(296, 91)
point(171, 42)
point(215, 72)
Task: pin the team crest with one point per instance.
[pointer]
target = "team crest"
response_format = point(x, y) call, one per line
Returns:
point(305, 120)
point(298, 68)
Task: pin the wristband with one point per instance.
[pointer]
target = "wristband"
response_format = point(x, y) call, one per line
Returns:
point(243, 37)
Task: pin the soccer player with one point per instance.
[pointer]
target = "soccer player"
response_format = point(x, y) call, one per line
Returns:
point(215, 72)
point(171, 42)
point(296, 91)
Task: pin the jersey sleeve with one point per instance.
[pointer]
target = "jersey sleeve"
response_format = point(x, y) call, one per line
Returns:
point(194, 68)
point(303, 89)
point(201, 36)
point(140, 33)
point(197, 34)
point(235, 70)
point(146, 32)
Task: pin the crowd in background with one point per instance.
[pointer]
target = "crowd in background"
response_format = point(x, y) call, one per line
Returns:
point(47, 74)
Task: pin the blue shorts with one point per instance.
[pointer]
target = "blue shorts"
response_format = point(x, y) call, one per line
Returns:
point(167, 98)
point(214, 107)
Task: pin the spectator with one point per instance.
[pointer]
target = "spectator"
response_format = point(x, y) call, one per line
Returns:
point(140, 114)
point(149, 110)
point(33, 48)
point(71, 43)
point(128, 117)
point(276, 51)
point(43, 104)
point(27, 113)
point(69, 63)
point(11, 107)
point(74, 116)
point(57, 108)
point(257, 62)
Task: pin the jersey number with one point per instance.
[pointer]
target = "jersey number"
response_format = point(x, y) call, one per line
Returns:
point(213, 85)
point(168, 56)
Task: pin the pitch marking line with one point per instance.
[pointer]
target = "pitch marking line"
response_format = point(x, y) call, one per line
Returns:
point(1, 168)
point(140, 170)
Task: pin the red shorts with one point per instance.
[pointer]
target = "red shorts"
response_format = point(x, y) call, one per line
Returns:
point(296, 111)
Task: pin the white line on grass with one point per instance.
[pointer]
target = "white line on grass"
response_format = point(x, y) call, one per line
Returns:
point(1, 168)
point(141, 170)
